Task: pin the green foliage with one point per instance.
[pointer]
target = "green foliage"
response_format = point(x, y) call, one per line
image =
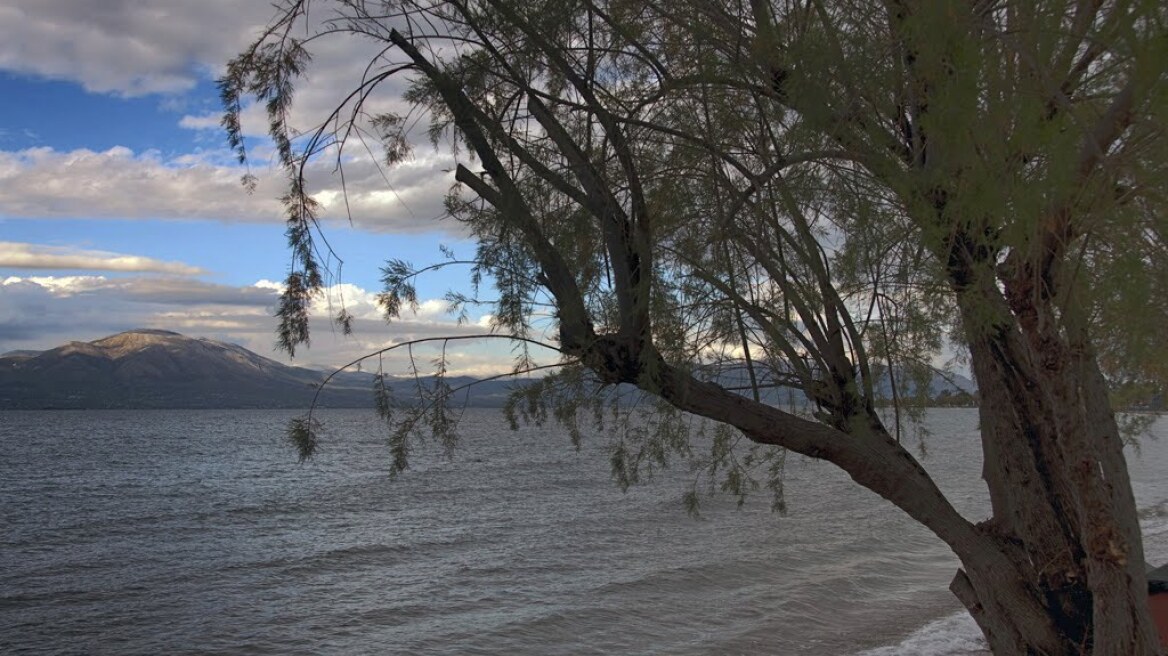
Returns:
point(800, 200)
point(397, 278)
point(293, 313)
point(383, 401)
point(344, 320)
point(302, 432)
point(644, 436)
point(429, 417)
point(391, 129)
point(562, 395)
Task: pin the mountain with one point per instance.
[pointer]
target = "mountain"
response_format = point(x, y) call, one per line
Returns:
point(163, 369)
point(150, 369)
point(20, 354)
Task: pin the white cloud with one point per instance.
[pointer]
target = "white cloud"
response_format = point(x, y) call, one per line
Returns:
point(128, 47)
point(204, 122)
point(60, 286)
point(118, 183)
point(146, 289)
point(272, 285)
point(134, 47)
point(16, 255)
point(42, 182)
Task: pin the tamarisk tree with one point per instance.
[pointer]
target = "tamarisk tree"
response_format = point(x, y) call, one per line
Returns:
point(816, 194)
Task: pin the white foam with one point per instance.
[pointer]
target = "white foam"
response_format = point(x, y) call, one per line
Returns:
point(1155, 530)
point(955, 635)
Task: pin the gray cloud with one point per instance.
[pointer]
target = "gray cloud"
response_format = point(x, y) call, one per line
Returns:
point(179, 291)
point(33, 316)
point(128, 47)
point(15, 255)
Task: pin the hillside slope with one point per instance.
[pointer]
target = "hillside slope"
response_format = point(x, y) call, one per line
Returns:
point(156, 369)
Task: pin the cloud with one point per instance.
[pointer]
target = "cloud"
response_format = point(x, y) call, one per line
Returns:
point(167, 47)
point(136, 47)
point(42, 312)
point(204, 122)
point(146, 289)
point(141, 47)
point(16, 255)
point(119, 183)
point(127, 47)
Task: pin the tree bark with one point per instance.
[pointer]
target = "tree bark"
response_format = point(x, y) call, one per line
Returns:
point(1054, 466)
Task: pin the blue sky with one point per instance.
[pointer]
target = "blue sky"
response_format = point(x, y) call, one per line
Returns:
point(120, 205)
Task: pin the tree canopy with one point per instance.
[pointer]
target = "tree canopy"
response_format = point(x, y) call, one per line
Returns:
point(711, 201)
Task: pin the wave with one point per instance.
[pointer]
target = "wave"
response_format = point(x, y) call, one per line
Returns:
point(955, 635)
point(356, 556)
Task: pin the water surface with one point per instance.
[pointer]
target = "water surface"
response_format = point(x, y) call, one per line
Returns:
point(145, 532)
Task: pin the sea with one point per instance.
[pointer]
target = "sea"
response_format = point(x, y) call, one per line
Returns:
point(199, 532)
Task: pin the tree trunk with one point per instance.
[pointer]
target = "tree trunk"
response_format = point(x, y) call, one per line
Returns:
point(1063, 514)
point(998, 591)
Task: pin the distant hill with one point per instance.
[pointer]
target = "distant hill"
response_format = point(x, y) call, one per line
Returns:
point(20, 354)
point(163, 369)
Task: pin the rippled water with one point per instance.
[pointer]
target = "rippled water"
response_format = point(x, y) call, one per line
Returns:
point(197, 532)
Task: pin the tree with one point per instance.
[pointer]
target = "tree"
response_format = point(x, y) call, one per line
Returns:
point(824, 190)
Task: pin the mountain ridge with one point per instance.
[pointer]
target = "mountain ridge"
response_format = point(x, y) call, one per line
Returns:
point(149, 368)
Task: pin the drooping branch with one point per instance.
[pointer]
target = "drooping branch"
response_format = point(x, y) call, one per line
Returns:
point(303, 431)
point(873, 460)
point(639, 224)
point(575, 326)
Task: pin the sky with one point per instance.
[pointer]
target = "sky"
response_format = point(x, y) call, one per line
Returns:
point(121, 205)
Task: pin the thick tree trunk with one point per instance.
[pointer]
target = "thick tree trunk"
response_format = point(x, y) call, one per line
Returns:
point(1000, 595)
point(1063, 512)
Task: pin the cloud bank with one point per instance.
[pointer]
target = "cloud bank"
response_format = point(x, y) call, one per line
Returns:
point(168, 48)
point(18, 255)
point(126, 47)
point(119, 183)
point(140, 47)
